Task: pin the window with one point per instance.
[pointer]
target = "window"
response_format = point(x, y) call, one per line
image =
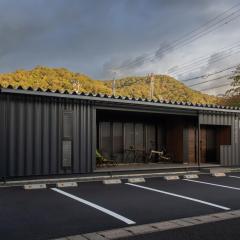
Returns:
point(67, 135)
point(117, 141)
point(105, 139)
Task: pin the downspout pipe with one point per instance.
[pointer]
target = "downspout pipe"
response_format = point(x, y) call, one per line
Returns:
point(199, 143)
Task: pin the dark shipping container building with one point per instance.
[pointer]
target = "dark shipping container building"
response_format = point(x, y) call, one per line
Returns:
point(52, 133)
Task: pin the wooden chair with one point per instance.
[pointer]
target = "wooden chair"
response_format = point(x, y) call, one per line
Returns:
point(102, 161)
point(161, 155)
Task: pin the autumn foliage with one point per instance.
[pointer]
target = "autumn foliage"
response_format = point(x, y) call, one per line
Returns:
point(165, 87)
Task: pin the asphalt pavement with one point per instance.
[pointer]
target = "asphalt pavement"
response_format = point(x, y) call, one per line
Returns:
point(91, 207)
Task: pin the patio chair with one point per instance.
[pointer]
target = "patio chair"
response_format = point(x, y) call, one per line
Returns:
point(161, 155)
point(102, 161)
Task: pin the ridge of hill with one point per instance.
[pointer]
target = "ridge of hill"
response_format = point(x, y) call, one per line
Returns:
point(165, 87)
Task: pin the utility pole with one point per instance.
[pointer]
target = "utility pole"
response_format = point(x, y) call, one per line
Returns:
point(114, 84)
point(76, 85)
point(152, 78)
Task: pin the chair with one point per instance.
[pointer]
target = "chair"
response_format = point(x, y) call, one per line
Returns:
point(161, 155)
point(102, 161)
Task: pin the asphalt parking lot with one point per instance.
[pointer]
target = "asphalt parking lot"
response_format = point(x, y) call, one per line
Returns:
point(90, 207)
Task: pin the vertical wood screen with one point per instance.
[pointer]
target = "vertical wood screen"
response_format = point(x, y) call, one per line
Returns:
point(67, 135)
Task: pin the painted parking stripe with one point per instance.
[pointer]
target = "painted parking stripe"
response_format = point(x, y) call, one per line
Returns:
point(233, 176)
point(93, 205)
point(213, 184)
point(180, 196)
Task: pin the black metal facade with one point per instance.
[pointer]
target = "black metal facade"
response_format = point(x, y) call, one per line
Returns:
point(32, 135)
point(47, 133)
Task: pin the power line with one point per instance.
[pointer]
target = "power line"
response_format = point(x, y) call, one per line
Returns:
point(203, 59)
point(216, 59)
point(210, 74)
point(209, 21)
point(211, 80)
point(192, 38)
point(224, 85)
point(195, 37)
point(196, 60)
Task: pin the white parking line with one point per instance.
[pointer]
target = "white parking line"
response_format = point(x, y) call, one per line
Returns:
point(233, 176)
point(93, 205)
point(212, 184)
point(180, 196)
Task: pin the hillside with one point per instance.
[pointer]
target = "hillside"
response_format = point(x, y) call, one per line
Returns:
point(165, 88)
point(52, 78)
point(60, 78)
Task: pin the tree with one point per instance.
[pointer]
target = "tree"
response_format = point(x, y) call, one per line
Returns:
point(165, 87)
point(232, 96)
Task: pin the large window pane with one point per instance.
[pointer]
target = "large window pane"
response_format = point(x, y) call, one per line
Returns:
point(118, 141)
point(129, 142)
point(105, 139)
point(151, 138)
point(139, 142)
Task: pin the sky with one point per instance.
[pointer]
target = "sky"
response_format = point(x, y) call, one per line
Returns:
point(110, 38)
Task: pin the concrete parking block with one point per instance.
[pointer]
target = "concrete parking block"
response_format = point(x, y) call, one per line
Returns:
point(141, 229)
point(34, 186)
point(136, 180)
point(112, 181)
point(66, 184)
point(219, 174)
point(190, 176)
point(115, 234)
point(94, 236)
point(171, 177)
point(165, 225)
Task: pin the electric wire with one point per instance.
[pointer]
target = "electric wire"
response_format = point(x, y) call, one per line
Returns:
point(223, 21)
point(203, 59)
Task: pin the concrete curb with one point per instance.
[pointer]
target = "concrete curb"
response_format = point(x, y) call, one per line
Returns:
point(93, 178)
point(155, 227)
point(101, 178)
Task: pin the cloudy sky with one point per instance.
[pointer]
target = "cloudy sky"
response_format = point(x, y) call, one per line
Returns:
point(183, 38)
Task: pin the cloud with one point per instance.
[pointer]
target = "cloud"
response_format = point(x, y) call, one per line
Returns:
point(217, 61)
point(134, 65)
point(95, 37)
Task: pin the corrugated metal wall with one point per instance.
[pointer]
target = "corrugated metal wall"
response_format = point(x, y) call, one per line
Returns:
point(229, 154)
point(33, 135)
point(2, 135)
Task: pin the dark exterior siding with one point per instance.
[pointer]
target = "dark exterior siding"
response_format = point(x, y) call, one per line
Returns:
point(31, 130)
point(3, 136)
point(229, 154)
point(32, 135)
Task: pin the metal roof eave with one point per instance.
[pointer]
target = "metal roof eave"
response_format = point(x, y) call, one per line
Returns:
point(115, 100)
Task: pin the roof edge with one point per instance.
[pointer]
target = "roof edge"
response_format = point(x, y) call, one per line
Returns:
point(122, 99)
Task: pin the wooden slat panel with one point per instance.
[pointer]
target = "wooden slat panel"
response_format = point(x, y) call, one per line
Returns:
point(191, 145)
point(203, 144)
point(175, 139)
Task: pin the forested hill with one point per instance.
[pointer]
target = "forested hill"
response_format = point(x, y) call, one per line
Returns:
point(60, 79)
point(165, 87)
point(52, 78)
